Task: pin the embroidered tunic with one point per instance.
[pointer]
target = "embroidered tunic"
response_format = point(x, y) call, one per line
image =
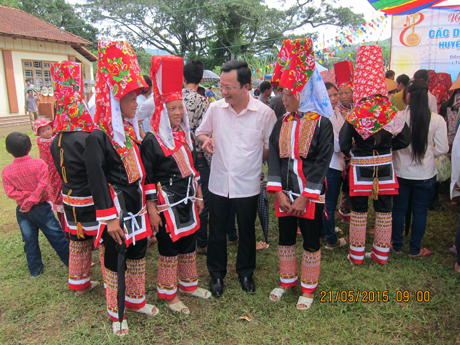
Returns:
point(372, 158)
point(171, 179)
point(107, 171)
point(67, 151)
point(54, 180)
point(300, 153)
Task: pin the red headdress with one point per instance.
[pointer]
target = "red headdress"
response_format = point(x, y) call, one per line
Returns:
point(295, 65)
point(369, 74)
point(72, 115)
point(373, 110)
point(344, 74)
point(118, 74)
point(41, 122)
point(167, 87)
point(167, 80)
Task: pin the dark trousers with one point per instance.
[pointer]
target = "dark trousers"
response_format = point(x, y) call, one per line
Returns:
point(310, 229)
point(360, 204)
point(457, 243)
point(166, 247)
point(41, 216)
point(246, 210)
point(421, 191)
point(334, 181)
point(202, 234)
point(133, 252)
point(231, 227)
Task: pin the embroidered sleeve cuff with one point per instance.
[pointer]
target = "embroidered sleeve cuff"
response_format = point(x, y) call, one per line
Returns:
point(311, 193)
point(150, 189)
point(106, 214)
point(273, 187)
point(198, 179)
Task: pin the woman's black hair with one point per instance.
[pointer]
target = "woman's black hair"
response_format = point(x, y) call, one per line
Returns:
point(448, 104)
point(420, 117)
point(330, 85)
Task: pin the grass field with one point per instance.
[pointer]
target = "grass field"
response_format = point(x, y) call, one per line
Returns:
point(44, 311)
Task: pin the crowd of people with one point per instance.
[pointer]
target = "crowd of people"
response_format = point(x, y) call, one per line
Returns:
point(150, 159)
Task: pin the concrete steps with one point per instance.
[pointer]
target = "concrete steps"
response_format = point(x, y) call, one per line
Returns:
point(18, 120)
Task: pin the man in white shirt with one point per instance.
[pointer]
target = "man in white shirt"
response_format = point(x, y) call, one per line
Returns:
point(143, 97)
point(432, 101)
point(240, 127)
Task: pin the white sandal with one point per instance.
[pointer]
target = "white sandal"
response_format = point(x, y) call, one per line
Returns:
point(307, 302)
point(116, 328)
point(199, 293)
point(278, 293)
point(146, 309)
point(178, 307)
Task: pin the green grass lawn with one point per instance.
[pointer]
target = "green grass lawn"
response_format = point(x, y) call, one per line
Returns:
point(44, 311)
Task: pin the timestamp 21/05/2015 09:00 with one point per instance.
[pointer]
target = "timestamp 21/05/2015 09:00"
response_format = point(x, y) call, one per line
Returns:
point(370, 296)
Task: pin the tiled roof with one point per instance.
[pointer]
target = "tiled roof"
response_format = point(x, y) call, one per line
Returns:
point(18, 23)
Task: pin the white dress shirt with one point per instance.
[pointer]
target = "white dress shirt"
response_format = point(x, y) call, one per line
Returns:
point(92, 105)
point(437, 146)
point(337, 161)
point(239, 143)
point(145, 111)
point(432, 103)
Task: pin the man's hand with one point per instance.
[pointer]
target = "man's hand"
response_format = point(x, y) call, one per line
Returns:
point(141, 131)
point(456, 187)
point(113, 227)
point(298, 206)
point(199, 206)
point(154, 216)
point(283, 201)
point(207, 146)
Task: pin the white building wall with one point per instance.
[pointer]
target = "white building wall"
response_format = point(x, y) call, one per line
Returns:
point(24, 49)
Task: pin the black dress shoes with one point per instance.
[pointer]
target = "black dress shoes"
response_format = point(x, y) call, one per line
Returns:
point(247, 284)
point(217, 287)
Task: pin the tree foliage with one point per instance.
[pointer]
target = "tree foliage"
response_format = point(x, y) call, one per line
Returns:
point(61, 14)
point(215, 30)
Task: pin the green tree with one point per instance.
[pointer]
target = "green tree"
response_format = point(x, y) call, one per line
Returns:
point(61, 14)
point(217, 30)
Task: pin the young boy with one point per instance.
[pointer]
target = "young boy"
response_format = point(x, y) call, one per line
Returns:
point(26, 181)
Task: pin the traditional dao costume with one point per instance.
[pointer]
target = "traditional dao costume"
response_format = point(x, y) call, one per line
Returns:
point(371, 131)
point(344, 73)
point(301, 147)
point(54, 187)
point(73, 125)
point(172, 182)
point(116, 177)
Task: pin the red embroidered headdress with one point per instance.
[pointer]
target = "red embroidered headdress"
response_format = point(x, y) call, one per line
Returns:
point(373, 110)
point(369, 73)
point(72, 115)
point(167, 80)
point(118, 74)
point(167, 87)
point(344, 74)
point(295, 65)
